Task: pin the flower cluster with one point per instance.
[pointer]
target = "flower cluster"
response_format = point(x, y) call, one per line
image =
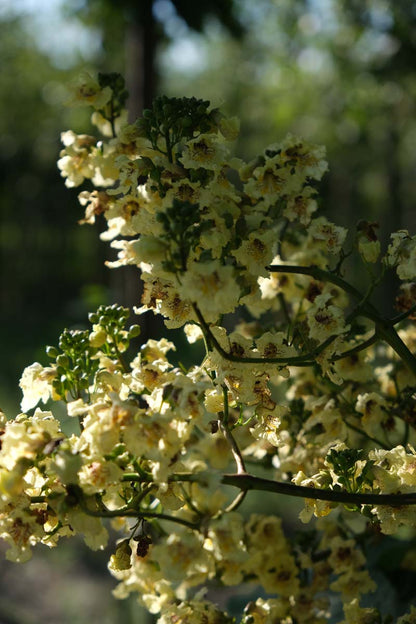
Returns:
point(315, 386)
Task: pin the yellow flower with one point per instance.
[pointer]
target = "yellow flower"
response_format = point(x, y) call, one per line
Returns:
point(268, 183)
point(267, 611)
point(408, 618)
point(193, 333)
point(75, 160)
point(301, 206)
point(353, 583)
point(328, 420)
point(354, 614)
point(26, 436)
point(345, 555)
point(375, 417)
point(402, 253)
point(278, 574)
point(269, 427)
point(194, 612)
point(307, 158)
point(181, 557)
point(95, 534)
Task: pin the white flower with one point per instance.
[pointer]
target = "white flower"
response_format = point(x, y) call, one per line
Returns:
point(193, 332)
point(402, 253)
point(36, 384)
point(325, 320)
point(88, 92)
point(330, 235)
point(206, 150)
point(212, 286)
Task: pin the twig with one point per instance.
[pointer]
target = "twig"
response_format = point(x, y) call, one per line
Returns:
point(238, 458)
point(296, 360)
point(360, 347)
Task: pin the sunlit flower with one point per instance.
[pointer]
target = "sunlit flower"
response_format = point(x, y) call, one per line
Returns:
point(88, 92)
point(36, 384)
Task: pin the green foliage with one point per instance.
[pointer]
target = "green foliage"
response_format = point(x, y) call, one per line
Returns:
point(182, 225)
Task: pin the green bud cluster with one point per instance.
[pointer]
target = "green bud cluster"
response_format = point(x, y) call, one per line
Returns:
point(182, 225)
point(77, 356)
point(111, 318)
point(176, 119)
point(111, 321)
point(74, 363)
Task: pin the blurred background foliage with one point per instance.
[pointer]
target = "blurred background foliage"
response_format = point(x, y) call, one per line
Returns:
point(338, 72)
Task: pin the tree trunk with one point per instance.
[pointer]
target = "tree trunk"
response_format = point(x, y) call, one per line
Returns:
point(141, 83)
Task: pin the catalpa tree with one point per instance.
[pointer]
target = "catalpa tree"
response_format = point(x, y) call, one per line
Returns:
point(314, 390)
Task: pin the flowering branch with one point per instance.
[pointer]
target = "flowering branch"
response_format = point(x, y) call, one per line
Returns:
point(384, 328)
point(147, 447)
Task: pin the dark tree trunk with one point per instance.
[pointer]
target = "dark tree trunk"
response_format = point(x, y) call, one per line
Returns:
point(141, 40)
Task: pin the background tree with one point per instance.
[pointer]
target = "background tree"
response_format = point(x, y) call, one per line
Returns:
point(342, 72)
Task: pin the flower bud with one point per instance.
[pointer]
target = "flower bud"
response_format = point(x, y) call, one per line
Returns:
point(120, 560)
point(62, 360)
point(134, 331)
point(98, 337)
point(52, 352)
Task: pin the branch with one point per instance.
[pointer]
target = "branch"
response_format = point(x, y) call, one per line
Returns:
point(223, 424)
point(322, 276)
point(403, 315)
point(245, 482)
point(296, 360)
point(249, 482)
point(389, 334)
